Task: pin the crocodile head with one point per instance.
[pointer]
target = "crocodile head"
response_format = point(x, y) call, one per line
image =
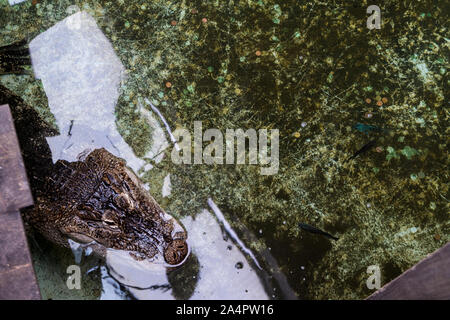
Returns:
point(100, 201)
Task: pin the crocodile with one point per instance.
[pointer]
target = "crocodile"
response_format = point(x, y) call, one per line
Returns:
point(97, 200)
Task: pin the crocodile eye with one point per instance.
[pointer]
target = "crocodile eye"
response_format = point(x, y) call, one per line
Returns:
point(123, 200)
point(110, 223)
point(108, 220)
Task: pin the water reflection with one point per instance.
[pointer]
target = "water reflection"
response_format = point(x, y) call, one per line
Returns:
point(81, 75)
point(218, 277)
point(219, 269)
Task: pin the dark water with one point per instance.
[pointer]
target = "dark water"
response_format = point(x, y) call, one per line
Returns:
point(312, 70)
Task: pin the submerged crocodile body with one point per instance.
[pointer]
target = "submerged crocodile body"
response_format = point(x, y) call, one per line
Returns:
point(100, 201)
point(97, 200)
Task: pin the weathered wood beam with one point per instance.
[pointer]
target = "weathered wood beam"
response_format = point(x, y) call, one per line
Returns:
point(17, 278)
point(427, 280)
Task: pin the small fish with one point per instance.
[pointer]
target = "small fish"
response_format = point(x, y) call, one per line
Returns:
point(369, 145)
point(312, 229)
point(365, 128)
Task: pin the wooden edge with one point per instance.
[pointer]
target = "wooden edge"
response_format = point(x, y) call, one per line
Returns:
point(17, 277)
point(427, 280)
point(14, 189)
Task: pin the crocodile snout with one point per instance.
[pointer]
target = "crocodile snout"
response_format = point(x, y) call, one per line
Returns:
point(176, 252)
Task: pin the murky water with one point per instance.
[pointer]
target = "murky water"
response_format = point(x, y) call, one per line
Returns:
point(124, 75)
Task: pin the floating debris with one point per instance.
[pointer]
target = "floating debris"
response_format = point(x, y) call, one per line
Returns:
point(409, 152)
point(391, 154)
point(172, 138)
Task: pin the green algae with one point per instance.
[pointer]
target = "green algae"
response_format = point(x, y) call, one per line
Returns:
point(409, 152)
point(318, 65)
point(391, 153)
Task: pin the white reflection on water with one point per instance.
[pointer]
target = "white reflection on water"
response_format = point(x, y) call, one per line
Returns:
point(226, 225)
point(218, 277)
point(81, 75)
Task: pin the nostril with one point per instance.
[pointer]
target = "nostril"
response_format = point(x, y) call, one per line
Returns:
point(176, 252)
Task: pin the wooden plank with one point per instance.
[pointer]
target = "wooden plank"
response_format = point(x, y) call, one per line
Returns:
point(14, 189)
point(17, 278)
point(427, 280)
